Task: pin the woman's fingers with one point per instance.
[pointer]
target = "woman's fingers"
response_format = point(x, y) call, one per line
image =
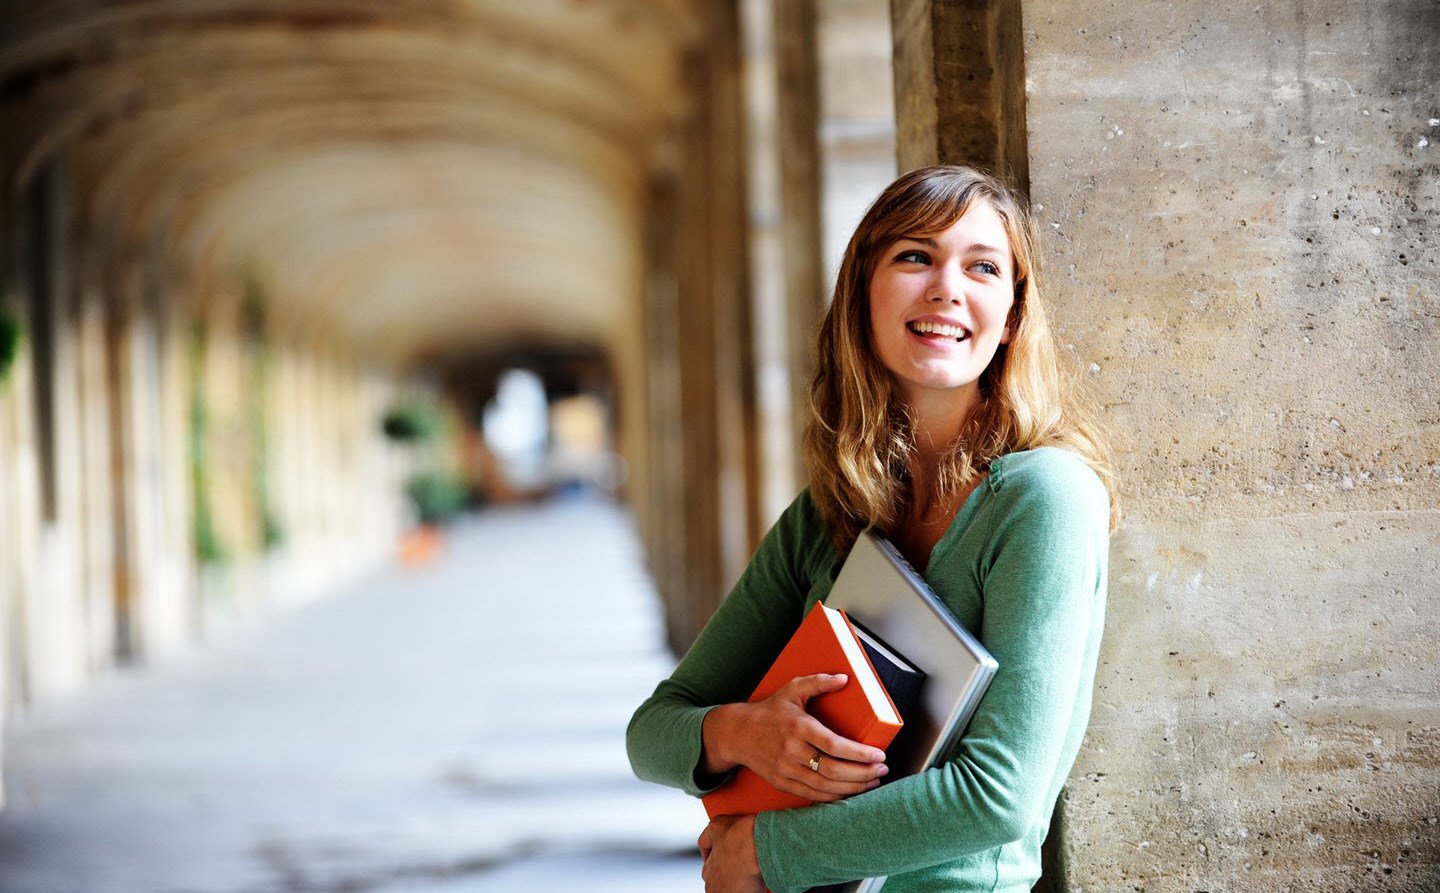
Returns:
point(816, 775)
point(778, 739)
point(802, 688)
point(845, 771)
point(840, 758)
point(826, 741)
point(813, 786)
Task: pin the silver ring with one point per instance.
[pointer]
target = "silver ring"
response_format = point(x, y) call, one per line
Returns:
point(815, 762)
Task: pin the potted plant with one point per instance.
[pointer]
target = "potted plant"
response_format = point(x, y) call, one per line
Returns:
point(437, 496)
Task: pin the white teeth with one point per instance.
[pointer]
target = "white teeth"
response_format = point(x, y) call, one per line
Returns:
point(935, 328)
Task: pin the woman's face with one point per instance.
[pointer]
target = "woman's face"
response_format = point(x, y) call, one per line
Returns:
point(939, 307)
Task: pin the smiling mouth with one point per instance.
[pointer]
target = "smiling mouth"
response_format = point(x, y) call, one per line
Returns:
point(939, 330)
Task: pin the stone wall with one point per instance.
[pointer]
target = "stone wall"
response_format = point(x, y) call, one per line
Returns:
point(1241, 208)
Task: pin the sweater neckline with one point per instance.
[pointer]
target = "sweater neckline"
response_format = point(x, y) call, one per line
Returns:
point(963, 518)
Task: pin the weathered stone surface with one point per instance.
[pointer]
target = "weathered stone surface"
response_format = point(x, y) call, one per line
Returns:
point(1265, 711)
point(1240, 205)
point(959, 85)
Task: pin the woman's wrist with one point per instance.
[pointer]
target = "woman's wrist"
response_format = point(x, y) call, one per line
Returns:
point(715, 757)
point(746, 828)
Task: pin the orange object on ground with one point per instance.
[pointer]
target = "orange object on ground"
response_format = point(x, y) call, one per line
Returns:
point(421, 546)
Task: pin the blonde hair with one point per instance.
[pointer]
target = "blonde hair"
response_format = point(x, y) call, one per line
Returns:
point(859, 441)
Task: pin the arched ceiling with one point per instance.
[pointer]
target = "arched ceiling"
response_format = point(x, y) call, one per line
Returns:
point(421, 179)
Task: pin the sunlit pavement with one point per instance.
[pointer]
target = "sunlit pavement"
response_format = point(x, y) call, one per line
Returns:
point(456, 729)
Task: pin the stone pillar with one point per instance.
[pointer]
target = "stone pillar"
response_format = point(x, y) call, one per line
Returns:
point(1241, 205)
point(960, 85)
point(100, 489)
point(700, 551)
point(737, 446)
point(20, 508)
point(855, 57)
point(821, 116)
point(178, 573)
point(704, 485)
point(774, 423)
point(666, 519)
point(154, 609)
point(798, 125)
point(122, 456)
point(57, 654)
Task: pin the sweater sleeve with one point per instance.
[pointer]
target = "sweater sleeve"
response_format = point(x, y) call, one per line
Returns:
point(732, 653)
point(1041, 573)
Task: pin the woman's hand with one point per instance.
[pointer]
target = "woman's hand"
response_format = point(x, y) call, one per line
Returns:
point(777, 740)
point(728, 847)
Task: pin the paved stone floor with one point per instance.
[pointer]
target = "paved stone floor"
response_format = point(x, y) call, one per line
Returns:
point(454, 730)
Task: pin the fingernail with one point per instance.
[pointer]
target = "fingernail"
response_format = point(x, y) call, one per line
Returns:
point(884, 771)
point(877, 756)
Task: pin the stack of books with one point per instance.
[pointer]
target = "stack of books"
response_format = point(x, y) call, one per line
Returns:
point(882, 687)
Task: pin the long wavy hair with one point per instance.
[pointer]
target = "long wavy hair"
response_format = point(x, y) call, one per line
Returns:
point(859, 441)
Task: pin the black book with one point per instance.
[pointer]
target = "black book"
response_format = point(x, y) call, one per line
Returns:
point(902, 679)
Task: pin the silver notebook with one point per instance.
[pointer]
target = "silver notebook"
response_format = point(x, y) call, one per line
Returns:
point(879, 588)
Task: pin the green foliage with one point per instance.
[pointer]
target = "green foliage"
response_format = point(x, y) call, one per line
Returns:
point(437, 496)
point(10, 335)
point(272, 533)
point(208, 548)
point(412, 423)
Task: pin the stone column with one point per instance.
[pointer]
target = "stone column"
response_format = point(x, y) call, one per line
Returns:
point(666, 520)
point(798, 126)
point(101, 488)
point(1240, 205)
point(730, 279)
point(856, 61)
point(57, 654)
point(960, 85)
point(700, 555)
point(702, 389)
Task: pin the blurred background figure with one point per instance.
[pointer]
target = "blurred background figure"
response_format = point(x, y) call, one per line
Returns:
point(517, 429)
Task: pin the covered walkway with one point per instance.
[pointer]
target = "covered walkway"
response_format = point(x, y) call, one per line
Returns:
point(455, 730)
point(271, 272)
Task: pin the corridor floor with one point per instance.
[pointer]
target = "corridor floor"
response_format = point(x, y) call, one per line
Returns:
point(457, 729)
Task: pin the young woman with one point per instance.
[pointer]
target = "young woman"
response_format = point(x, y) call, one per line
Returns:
point(939, 419)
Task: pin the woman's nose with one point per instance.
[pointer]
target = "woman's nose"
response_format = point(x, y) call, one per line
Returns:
point(949, 285)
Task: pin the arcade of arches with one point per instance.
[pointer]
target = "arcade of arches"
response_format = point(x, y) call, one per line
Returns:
point(235, 234)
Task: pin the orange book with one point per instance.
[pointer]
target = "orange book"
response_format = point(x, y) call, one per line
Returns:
point(861, 711)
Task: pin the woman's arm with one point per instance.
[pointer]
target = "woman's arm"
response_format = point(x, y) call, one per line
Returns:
point(697, 726)
point(1042, 574)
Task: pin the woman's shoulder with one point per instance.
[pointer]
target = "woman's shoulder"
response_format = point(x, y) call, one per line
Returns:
point(799, 536)
point(1050, 475)
point(802, 514)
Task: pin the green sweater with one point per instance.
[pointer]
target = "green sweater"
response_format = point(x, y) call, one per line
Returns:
point(1023, 567)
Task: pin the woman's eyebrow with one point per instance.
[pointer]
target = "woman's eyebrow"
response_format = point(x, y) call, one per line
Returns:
point(975, 248)
point(982, 248)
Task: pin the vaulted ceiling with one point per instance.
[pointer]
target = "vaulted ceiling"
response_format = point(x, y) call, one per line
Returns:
point(422, 179)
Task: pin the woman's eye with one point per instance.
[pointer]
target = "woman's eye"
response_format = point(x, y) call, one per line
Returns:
point(988, 268)
point(913, 256)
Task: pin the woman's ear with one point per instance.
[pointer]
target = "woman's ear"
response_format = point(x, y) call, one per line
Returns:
point(1011, 317)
